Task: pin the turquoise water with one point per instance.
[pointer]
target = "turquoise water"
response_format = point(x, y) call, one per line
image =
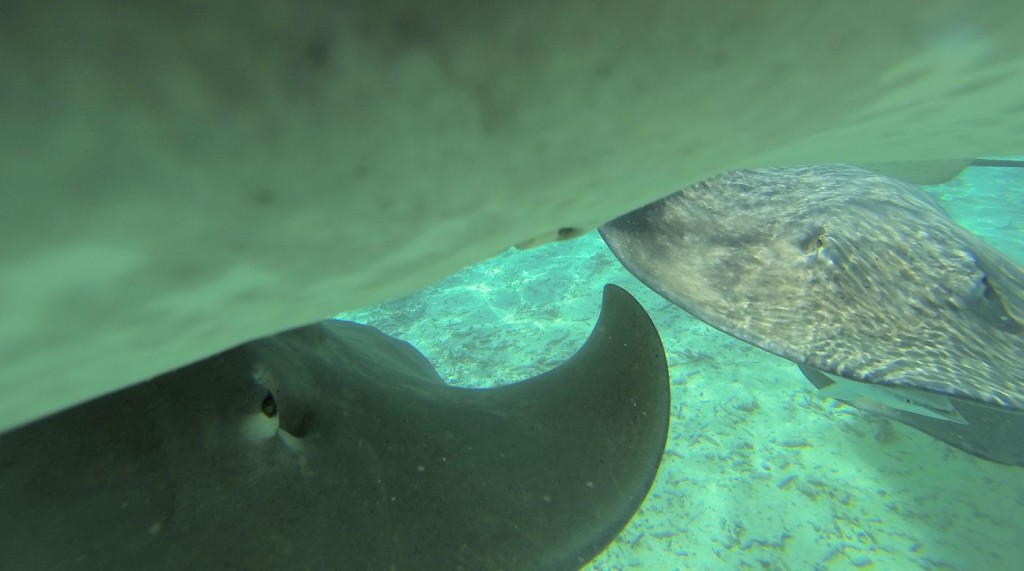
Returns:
point(759, 472)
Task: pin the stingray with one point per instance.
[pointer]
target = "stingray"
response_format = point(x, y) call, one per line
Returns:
point(335, 446)
point(863, 280)
point(160, 179)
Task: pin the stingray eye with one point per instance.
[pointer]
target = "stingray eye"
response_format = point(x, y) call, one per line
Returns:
point(269, 406)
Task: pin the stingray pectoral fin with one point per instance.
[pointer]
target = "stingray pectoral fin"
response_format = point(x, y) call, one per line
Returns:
point(544, 473)
point(877, 398)
point(988, 431)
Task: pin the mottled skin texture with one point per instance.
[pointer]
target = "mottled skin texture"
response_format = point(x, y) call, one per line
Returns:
point(843, 270)
point(180, 177)
point(334, 446)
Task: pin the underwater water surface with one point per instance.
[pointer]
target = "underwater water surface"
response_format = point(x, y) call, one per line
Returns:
point(759, 472)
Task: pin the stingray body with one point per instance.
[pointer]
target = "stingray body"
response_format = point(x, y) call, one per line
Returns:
point(157, 180)
point(334, 446)
point(850, 274)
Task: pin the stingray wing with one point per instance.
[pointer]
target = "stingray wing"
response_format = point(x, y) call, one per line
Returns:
point(336, 446)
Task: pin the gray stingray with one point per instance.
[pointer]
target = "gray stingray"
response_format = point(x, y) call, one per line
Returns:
point(334, 446)
point(854, 276)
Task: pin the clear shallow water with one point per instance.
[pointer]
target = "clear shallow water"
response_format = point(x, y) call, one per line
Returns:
point(759, 472)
